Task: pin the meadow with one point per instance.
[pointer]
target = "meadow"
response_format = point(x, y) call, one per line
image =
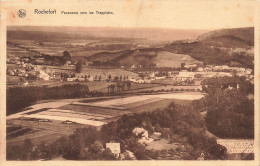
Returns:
point(168, 59)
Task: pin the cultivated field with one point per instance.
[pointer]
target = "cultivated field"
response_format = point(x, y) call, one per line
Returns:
point(37, 131)
point(168, 59)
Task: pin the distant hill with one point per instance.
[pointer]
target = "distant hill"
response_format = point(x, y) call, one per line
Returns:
point(211, 48)
point(145, 57)
point(216, 47)
point(45, 36)
point(240, 35)
point(154, 34)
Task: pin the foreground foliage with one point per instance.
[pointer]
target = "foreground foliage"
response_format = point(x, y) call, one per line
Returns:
point(179, 124)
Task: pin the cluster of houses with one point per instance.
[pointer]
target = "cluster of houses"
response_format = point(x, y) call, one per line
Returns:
point(24, 60)
point(235, 147)
point(143, 138)
point(143, 135)
point(190, 77)
point(27, 70)
point(200, 73)
point(193, 74)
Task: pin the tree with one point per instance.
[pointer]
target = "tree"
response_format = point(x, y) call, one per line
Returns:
point(79, 66)
point(96, 147)
point(66, 57)
point(219, 151)
point(112, 88)
point(142, 75)
point(116, 78)
point(182, 65)
point(109, 78)
point(234, 112)
point(108, 88)
point(108, 155)
point(128, 85)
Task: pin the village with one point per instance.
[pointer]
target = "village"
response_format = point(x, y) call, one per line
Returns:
point(29, 70)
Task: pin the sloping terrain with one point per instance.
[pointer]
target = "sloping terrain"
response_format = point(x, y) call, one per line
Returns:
point(216, 47)
point(155, 34)
point(137, 57)
point(243, 35)
point(168, 59)
point(145, 57)
point(103, 56)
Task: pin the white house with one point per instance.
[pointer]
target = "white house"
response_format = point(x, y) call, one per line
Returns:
point(132, 79)
point(71, 79)
point(152, 75)
point(140, 81)
point(139, 130)
point(200, 69)
point(160, 77)
point(145, 137)
point(80, 79)
point(190, 65)
point(248, 71)
point(44, 75)
point(114, 147)
point(186, 74)
point(90, 79)
point(147, 81)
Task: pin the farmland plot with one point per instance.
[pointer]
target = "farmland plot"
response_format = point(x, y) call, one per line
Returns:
point(80, 107)
point(145, 98)
point(168, 59)
point(72, 114)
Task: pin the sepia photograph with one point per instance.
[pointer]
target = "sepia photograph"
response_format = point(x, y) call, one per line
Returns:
point(149, 91)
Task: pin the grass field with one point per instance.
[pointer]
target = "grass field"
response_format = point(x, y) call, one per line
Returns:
point(40, 131)
point(162, 144)
point(132, 104)
point(168, 59)
point(72, 114)
point(158, 105)
point(94, 110)
point(93, 86)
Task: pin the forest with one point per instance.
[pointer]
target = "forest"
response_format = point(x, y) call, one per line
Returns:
point(211, 55)
point(244, 86)
point(230, 112)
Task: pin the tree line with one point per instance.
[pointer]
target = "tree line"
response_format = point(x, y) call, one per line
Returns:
point(236, 82)
point(18, 98)
point(230, 112)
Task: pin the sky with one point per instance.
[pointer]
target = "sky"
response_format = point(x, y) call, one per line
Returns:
point(174, 14)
